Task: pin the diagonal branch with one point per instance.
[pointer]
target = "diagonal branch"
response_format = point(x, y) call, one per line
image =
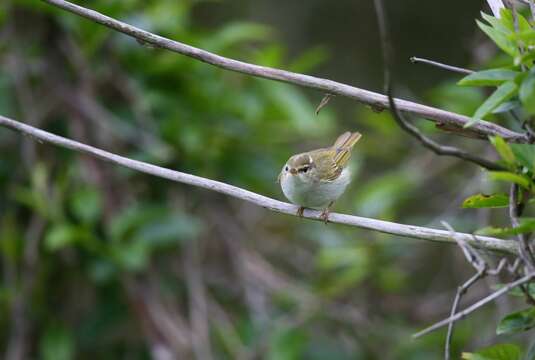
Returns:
point(416, 232)
point(461, 290)
point(504, 290)
point(400, 119)
point(515, 210)
point(456, 69)
point(442, 117)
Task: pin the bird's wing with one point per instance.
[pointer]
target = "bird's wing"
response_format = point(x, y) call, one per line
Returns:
point(326, 165)
point(343, 146)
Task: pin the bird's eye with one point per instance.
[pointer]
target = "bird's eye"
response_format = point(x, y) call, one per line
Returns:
point(286, 168)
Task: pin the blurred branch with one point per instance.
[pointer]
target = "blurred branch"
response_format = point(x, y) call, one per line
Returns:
point(515, 210)
point(417, 60)
point(502, 291)
point(531, 4)
point(496, 6)
point(387, 227)
point(198, 303)
point(483, 128)
point(399, 118)
point(461, 290)
point(482, 270)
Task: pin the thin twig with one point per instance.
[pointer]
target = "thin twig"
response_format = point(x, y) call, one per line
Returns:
point(324, 101)
point(411, 231)
point(198, 303)
point(480, 265)
point(496, 6)
point(460, 70)
point(471, 255)
point(483, 128)
point(399, 118)
point(460, 292)
point(502, 291)
point(515, 210)
point(531, 4)
point(516, 26)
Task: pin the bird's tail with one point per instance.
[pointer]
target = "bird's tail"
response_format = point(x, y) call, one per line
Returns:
point(347, 140)
point(343, 146)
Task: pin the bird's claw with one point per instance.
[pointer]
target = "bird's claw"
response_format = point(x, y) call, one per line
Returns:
point(300, 211)
point(325, 215)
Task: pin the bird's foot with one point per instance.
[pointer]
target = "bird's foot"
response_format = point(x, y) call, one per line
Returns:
point(300, 211)
point(325, 215)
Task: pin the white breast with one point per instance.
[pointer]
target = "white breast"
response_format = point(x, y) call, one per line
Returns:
point(305, 191)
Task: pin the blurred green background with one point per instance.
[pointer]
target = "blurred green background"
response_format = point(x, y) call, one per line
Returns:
point(101, 262)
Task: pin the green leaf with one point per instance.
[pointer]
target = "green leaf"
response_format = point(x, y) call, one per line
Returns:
point(508, 21)
point(342, 267)
point(500, 38)
point(525, 155)
point(170, 229)
point(236, 33)
point(309, 60)
point(498, 24)
point(507, 106)
point(496, 352)
point(510, 177)
point(525, 225)
point(479, 201)
point(493, 77)
point(133, 256)
point(517, 291)
point(63, 235)
point(86, 205)
point(287, 344)
point(505, 151)
point(517, 322)
point(57, 344)
point(525, 58)
point(527, 94)
point(526, 36)
point(503, 93)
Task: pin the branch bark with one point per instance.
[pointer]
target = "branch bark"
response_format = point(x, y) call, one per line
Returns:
point(398, 116)
point(441, 117)
point(462, 314)
point(410, 231)
point(455, 69)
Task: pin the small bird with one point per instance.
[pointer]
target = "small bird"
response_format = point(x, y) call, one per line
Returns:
point(317, 178)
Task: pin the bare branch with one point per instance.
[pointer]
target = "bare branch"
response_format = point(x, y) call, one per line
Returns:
point(483, 128)
point(496, 6)
point(198, 303)
point(469, 253)
point(515, 210)
point(473, 257)
point(531, 4)
point(416, 232)
point(402, 122)
point(502, 291)
point(460, 292)
point(460, 70)
point(323, 103)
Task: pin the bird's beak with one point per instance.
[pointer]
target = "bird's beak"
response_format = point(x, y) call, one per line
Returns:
point(293, 171)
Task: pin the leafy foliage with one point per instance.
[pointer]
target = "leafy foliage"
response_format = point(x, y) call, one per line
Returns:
point(517, 322)
point(496, 352)
point(107, 263)
point(479, 201)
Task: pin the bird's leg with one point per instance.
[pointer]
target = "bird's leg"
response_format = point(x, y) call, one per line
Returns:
point(325, 213)
point(300, 211)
